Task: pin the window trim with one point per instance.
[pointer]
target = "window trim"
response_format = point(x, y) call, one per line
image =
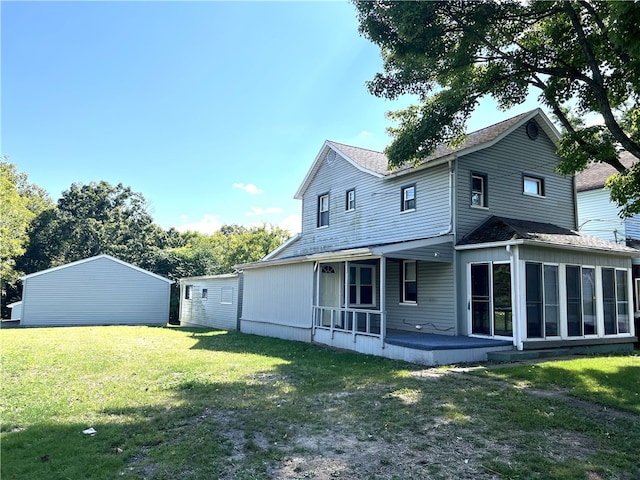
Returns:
point(350, 203)
point(403, 201)
point(404, 281)
point(485, 202)
point(188, 292)
point(320, 212)
point(539, 182)
point(356, 302)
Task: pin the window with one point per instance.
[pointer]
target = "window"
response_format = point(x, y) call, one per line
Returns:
point(542, 293)
point(533, 185)
point(491, 310)
point(478, 190)
point(362, 285)
point(351, 200)
point(188, 292)
point(205, 293)
point(408, 198)
point(409, 281)
point(323, 210)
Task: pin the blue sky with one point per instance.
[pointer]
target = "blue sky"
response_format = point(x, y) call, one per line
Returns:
point(214, 111)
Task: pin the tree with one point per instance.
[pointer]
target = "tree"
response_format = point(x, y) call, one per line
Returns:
point(582, 56)
point(90, 220)
point(21, 202)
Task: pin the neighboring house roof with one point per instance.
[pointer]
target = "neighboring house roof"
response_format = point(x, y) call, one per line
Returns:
point(597, 173)
point(91, 259)
point(500, 230)
point(377, 163)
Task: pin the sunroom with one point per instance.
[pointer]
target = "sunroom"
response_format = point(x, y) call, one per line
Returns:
point(544, 287)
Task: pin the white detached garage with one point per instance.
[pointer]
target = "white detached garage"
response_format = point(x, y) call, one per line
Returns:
point(100, 290)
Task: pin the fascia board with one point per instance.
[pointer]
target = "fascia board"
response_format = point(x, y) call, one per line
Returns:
point(538, 114)
point(537, 243)
point(318, 162)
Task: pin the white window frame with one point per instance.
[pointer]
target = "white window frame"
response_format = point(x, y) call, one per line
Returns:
point(482, 193)
point(355, 302)
point(533, 180)
point(350, 200)
point(323, 209)
point(406, 280)
point(188, 292)
point(408, 202)
point(205, 293)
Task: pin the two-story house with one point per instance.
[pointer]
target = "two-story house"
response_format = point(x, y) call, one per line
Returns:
point(473, 250)
point(599, 216)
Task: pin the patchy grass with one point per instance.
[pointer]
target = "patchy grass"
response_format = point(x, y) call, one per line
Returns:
point(610, 381)
point(190, 403)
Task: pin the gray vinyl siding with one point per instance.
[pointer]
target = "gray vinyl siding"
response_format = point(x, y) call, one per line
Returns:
point(504, 165)
point(218, 310)
point(96, 292)
point(434, 311)
point(377, 218)
point(598, 216)
point(280, 295)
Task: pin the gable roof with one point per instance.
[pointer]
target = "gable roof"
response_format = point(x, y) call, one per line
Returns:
point(597, 173)
point(500, 230)
point(377, 163)
point(91, 259)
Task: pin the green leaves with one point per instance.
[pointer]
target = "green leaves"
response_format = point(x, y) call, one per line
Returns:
point(451, 54)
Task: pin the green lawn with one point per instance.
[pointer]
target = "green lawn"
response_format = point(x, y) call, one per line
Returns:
point(187, 403)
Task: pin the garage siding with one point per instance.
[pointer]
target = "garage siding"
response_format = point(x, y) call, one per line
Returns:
point(96, 291)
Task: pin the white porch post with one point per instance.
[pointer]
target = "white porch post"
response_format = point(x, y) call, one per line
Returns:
point(519, 311)
point(383, 292)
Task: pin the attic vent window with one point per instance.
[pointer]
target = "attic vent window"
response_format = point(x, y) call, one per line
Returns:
point(331, 156)
point(328, 269)
point(532, 130)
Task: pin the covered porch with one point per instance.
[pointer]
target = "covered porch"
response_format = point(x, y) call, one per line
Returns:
point(395, 301)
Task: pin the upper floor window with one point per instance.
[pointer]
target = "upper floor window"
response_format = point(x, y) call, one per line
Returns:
point(533, 185)
point(409, 281)
point(408, 198)
point(323, 210)
point(350, 200)
point(478, 190)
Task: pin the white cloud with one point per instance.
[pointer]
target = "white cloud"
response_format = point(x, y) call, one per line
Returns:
point(208, 224)
point(293, 223)
point(263, 211)
point(249, 188)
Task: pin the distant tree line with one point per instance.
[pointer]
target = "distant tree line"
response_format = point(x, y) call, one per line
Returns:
point(100, 218)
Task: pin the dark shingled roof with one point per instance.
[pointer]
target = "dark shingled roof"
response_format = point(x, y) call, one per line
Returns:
point(500, 229)
point(596, 174)
point(378, 162)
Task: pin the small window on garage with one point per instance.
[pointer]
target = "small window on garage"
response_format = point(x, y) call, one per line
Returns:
point(188, 292)
point(205, 293)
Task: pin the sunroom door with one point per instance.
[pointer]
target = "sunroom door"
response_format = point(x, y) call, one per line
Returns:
point(491, 311)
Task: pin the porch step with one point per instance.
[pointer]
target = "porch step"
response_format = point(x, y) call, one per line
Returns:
point(517, 355)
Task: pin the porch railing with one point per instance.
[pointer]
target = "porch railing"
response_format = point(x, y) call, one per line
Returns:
point(352, 320)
